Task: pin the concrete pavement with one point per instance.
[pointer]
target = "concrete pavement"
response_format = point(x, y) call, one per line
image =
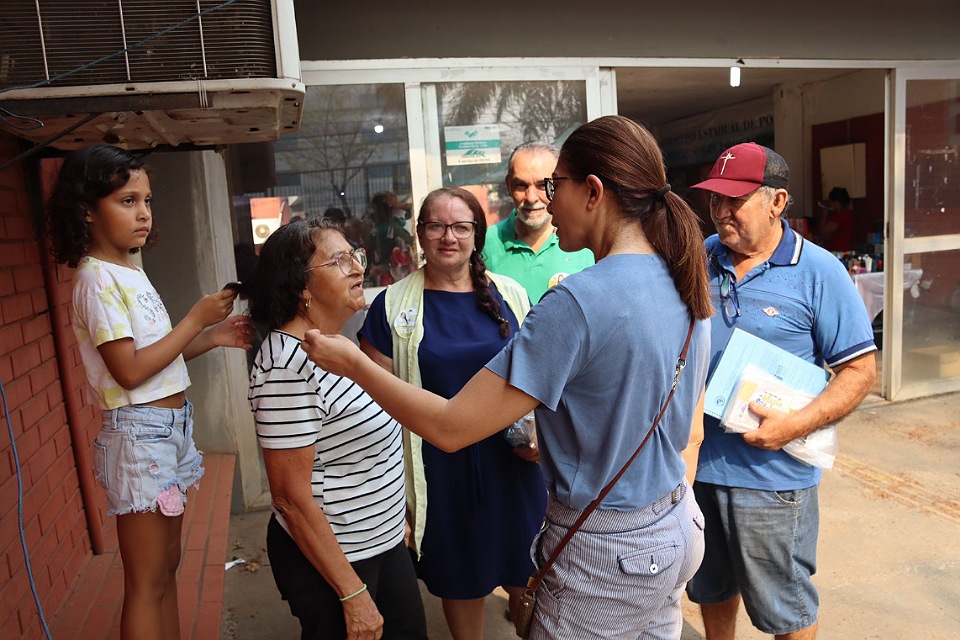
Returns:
point(889, 557)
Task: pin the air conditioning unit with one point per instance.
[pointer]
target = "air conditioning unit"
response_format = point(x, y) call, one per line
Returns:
point(145, 73)
point(263, 228)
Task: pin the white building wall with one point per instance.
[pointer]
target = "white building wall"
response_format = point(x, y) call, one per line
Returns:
point(195, 257)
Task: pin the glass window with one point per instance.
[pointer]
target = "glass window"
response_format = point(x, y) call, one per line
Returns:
point(482, 122)
point(932, 185)
point(351, 154)
point(931, 316)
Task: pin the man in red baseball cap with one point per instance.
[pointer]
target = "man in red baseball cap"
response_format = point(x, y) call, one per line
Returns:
point(760, 504)
point(743, 168)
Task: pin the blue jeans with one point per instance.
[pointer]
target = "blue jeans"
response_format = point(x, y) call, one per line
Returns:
point(145, 458)
point(762, 545)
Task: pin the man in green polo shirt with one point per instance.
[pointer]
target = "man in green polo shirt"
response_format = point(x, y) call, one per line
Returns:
point(524, 245)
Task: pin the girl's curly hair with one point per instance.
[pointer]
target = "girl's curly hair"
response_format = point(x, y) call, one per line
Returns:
point(87, 176)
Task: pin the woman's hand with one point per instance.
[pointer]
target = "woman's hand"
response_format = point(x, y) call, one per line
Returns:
point(363, 619)
point(235, 331)
point(333, 353)
point(529, 452)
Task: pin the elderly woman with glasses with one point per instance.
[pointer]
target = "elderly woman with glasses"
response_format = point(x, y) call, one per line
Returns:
point(334, 459)
point(474, 512)
point(597, 358)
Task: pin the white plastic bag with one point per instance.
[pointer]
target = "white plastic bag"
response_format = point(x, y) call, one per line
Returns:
point(818, 449)
point(521, 432)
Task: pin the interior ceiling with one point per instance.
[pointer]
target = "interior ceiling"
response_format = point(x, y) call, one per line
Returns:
point(655, 96)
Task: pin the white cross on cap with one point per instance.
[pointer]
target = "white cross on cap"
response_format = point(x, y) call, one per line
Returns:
point(729, 156)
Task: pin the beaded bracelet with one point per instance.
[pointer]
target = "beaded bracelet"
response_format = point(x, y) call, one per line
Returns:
point(355, 594)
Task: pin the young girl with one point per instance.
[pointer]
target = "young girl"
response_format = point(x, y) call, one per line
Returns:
point(145, 456)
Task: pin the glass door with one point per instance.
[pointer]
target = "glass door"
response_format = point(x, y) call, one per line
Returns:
point(476, 126)
point(924, 285)
point(461, 132)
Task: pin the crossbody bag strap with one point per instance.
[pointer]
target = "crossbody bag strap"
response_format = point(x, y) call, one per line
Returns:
point(681, 363)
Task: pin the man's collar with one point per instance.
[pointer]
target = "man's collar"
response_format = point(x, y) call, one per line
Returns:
point(508, 234)
point(788, 250)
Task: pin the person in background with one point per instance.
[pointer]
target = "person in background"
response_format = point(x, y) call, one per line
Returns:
point(836, 223)
point(760, 504)
point(334, 459)
point(596, 358)
point(524, 245)
point(390, 232)
point(353, 230)
point(481, 506)
point(336, 214)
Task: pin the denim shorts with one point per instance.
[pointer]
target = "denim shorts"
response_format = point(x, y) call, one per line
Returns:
point(762, 545)
point(622, 573)
point(145, 458)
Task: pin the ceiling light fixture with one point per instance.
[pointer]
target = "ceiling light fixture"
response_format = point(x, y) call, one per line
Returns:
point(735, 73)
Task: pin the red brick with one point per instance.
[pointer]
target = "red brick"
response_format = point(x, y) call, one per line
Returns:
point(11, 337)
point(12, 178)
point(17, 306)
point(48, 516)
point(55, 397)
point(25, 358)
point(62, 444)
point(48, 349)
point(54, 596)
point(35, 495)
point(7, 285)
point(53, 423)
point(10, 539)
point(8, 500)
point(75, 563)
point(101, 618)
point(36, 327)
point(69, 620)
point(6, 368)
point(212, 583)
point(15, 564)
point(39, 302)
point(33, 410)
point(40, 462)
point(18, 228)
point(28, 443)
point(10, 598)
point(12, 254)
point(12, 627)
point(208, 623)
point(8, 452)
point(64, 525)
point(111, 592)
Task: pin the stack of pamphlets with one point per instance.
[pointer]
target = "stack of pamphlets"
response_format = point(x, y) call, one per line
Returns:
point(753, 370)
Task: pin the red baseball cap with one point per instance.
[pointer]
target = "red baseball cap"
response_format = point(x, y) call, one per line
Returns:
point(745, 167)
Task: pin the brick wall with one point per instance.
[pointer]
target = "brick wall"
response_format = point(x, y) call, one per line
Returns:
point(54, 518)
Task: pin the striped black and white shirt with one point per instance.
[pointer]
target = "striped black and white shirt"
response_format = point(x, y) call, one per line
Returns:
point(358, 461)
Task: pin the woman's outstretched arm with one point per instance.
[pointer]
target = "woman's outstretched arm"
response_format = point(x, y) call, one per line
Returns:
point(486, 405)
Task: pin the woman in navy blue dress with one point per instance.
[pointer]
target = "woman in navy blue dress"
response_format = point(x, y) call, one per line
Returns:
point(437, 328)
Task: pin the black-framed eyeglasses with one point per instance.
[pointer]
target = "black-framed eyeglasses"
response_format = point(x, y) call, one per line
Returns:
point(436, 230)
point(549, 186)
point(344, 260)
point(728, 296)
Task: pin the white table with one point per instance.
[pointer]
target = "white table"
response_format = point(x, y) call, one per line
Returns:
point(870, 287)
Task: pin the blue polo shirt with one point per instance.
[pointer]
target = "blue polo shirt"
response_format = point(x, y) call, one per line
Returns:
point(535, 271)
point(802, 300)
